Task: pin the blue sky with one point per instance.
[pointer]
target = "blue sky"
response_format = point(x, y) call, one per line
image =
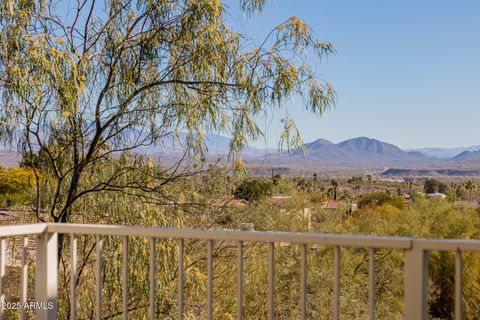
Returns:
point(407, 72)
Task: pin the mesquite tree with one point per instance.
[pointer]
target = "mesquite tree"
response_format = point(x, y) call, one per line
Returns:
point(84, 82)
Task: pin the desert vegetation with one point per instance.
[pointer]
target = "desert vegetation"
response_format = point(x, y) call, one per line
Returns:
point(206, 200)
point(85, 91)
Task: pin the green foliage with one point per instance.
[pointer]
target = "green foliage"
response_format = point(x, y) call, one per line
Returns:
point(15, 180)
point(188, 206)
point(334, 184)
point(283, 186)
point(39, 160)
point(470, 185)
point(317, 197)
point(303, 184)
point(103, 78)
point(430, 218)
point(254, 189)
point(16, 185)
point(217, 183)
point(434, 185)
point(356, 181)
point(380, 198)
point(277, 179)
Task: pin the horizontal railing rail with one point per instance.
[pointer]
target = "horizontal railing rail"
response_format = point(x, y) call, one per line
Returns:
point(236, 235)
point(22, 230)
point(46, 262)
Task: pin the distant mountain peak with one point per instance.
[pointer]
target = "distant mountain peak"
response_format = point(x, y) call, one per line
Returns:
point(318, 144)
point(467, 156)
point(445, 153)
point(363, 140)
point(366, 145)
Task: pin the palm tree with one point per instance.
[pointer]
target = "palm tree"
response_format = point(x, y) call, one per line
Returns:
point(334, 186)
point(315, 181)
point(409, 182)
point(370, 181)
point(470, 185)
point(356, 181)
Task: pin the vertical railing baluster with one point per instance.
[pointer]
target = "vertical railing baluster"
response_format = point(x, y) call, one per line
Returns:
point(458, 284)
point(240, 281)
point(23, 278)
point(210, 279)
point(46, 275)
point(2, 276)
point(73, 277)
point(181, 280)
point(371, 284)
point(303, 282)
point(153, 285)
point(416, 283)
point(125, 278)
point(98, 257)
point(336, 284)
point(271, 281)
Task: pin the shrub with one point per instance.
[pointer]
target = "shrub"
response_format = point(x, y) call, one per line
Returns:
point(254, 189)
point(380, 198)
point(433, 185)
point(15, 186)
point(15, 180)
point(317, 197)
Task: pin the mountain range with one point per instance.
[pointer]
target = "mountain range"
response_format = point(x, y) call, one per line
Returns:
point(445, 153)
point(467, 156)
point(360, 151)
point(356, 151)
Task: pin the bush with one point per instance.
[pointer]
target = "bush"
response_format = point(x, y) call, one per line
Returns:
point(15, 180)
point(380, 199)
point(317, 197)
point(14, 199)
point(15, 186)
point(254, 189)
point(433, 185)
point(302, 184)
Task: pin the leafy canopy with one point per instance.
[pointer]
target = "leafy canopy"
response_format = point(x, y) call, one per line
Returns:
point(100, 78)
point(434, 185)
point(254, 189)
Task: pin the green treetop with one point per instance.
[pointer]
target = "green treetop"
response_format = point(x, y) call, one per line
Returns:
point(107, 77)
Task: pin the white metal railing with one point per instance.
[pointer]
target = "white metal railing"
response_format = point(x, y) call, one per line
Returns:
point(46, 264)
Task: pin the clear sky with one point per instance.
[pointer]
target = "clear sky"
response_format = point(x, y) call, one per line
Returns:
point(407, 71)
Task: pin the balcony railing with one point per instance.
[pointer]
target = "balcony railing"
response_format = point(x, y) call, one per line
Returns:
point(46, 265)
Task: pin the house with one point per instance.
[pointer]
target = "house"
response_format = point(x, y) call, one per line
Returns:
point(329, 204)
point(437, 195)
point(228, 202)
point(280, 199)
